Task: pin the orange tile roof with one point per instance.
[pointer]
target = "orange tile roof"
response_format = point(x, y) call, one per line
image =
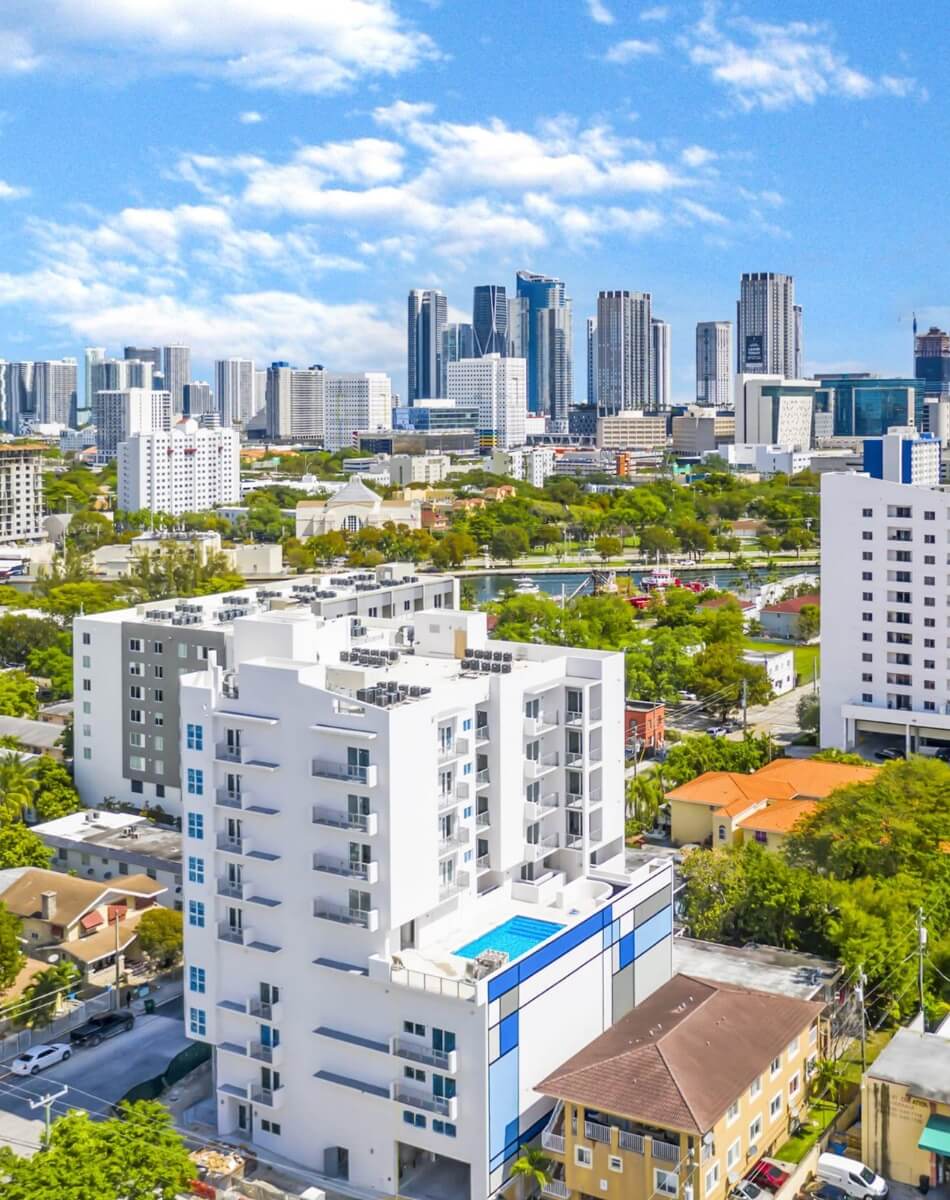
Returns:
point(718, 788)
point(780, 817)
point(782, 779)
point(809, 778)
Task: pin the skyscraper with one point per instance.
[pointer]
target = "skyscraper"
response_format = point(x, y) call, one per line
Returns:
point(592, 360)
point(149, 354)
point(197, 398)
point(766, 326)
point(661, 375)
point(932, 360)
point(458, 341)
point(54, 392)
point(624, 351)
point(295, 402)
point(355, 403)
point(176, 368)
point(16, 394)
point(545, 338)
point(490, 320)
point(92, 354)
point(496, 386)
point(714, 364)
point(234, 389)
point(427, 314)
point(120, 414)
point(799, 342)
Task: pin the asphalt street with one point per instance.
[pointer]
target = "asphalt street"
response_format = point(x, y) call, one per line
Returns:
point(96, 1077)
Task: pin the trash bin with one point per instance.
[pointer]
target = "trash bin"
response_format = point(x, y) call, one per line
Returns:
point(149, 1004)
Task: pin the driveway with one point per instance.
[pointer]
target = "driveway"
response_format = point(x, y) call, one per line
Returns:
point(96, 1077)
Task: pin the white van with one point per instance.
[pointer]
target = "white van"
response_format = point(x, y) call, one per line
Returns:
point(851, 1176)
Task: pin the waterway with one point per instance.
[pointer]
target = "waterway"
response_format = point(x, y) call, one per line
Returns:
point(488, 586)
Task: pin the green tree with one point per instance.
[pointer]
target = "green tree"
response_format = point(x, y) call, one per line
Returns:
point(840, 756)
point(808, 711)
point(720, 674)
point(509, 543)
point(56, 665)
point(20, 635)
point(42, 999)
point(809, 622)
point(327, 546)
point(17, 695)
point(21, 847)
point(68, 600)
point(135, 1156)
point(608, 547)
point(695, 538)
point(532, 1170)
point(828, 1078)
point(11, 957)
point(453, 548)
point(161, 935)
point(55, 796)
point(695, 755)
point(90, 530)
point(655, 540)
point(18, 785)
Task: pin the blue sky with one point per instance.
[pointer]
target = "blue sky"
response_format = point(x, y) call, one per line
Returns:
point(270, 177)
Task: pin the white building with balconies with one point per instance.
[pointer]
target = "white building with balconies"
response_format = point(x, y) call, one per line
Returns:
point(405, 892)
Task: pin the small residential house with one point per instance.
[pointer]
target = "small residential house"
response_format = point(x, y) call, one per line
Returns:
point(681, 1096)
point(80, 919)
point(644, 725)
point(730, 600)
point(779, 666)
point(719, 808)
point(782, 619)
point(905, 1106)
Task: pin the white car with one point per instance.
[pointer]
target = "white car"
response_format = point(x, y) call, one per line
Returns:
point(38, 1058)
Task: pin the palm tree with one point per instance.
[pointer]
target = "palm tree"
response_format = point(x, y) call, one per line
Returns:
point(827, 1080)
point(532, 1169)
point(18, 786)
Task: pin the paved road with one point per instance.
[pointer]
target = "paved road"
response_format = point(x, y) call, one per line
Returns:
point(97, 1077)
point(780, 718)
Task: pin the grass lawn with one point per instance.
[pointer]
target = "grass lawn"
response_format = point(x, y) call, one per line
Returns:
point(818, 1117)
point(805, 656)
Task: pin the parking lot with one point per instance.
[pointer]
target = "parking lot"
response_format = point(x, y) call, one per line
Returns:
point(96, 1076)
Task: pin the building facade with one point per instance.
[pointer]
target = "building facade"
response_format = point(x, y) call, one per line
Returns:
point(766, 325)
point(186, 469)
point(932, 360)
point(771, 410)
point(55, 396)
point(458, 341)
point(452, 908)
point(489, 320)
point(498, 388)
point(904, 456)
point(119, 415)
point(661, 366)
point(21, 490)
point(867, 406)
point(700, 430)
point(427, 315)
point(533, 465)
point(541, 330)
point(176, 370)
point(714, 364)
point(295, 403)
point(631, 431)
point(355, 403)
point(234, 390)
point(624, 349)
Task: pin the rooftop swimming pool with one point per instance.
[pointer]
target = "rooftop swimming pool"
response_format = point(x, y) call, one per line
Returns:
point(516, 936)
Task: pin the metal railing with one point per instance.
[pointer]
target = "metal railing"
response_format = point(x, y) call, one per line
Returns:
point(596, 1132)
point(483, 819)
point(340, 819)
point(329, 768)
point(330, 910)
point(424, 1100)
point(402, 1048)
point(553, 1142)
point(225, 752)
point(481, 863)
point(556, 1187)
point(261, 1052)
point(266, 1096)
point(232, 933)
point(667, 1151)
point(537, 766)
point(341, 866)
point(630, 1141)
point(438, 985)
point(227, 799)
point(232, 889)
point(234, 845)
point(481, 777)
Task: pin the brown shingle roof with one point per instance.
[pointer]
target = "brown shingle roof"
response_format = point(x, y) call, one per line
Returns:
point(796, 604)
point(73, 896)
point(684, 1055)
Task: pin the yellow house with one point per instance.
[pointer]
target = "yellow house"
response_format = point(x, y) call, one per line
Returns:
point(905, 1119)
point(719, 808)
point(682, 1095)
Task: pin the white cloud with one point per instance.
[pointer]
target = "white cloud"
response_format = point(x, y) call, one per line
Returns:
point(701, 212)
point(698, 156)
point(771, 66)
point(630, 50)
point(250, 118)
point(599, 12)
point(659, 12)
point(297, 45)
point(9, 191)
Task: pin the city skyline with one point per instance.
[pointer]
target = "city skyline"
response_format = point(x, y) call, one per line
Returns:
point(293, 195)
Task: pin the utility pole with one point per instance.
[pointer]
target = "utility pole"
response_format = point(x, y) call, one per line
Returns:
point(859, 991)
point(46, 1103)
point(921, 947)
point(745, 707)
point(118, 973)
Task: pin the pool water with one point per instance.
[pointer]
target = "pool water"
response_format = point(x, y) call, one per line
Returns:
point(516, 936)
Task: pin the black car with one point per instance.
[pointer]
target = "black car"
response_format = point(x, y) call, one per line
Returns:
point(96, 1030)
point(888, 755)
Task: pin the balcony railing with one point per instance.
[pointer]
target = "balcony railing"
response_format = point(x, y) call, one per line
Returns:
point(343, 914)
point(233, 845)
point(595, 1132)
point(226, 752)
point(263, 1053)
point(337, 819)
point(368, 871)
point(329, 768)
point(449, 799)
point(232, 933)
point(575, 799)
point(482, 863)
point(574, 841)
point(232, 889)
point(556, 1187)
point(553, 1142)
point(574, 758)
point(226, 799)
point(537, 850)
point(667, 1151)
point(630, 1141)
point(540, 766)
point(459, 838)
point(483, 819)
point(535, 726)
point(417, 1052)
point(443, 1106)
point(264, 1009)
point(574, 717)
point(535, 809)
point(268, 1097)
point(481, 778)
point(482, 734)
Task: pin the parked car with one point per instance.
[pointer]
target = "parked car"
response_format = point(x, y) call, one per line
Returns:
point(105, 1025)
point(768, 1175)
point(851, 1176)
point(718, 730)
point(943, 754)
point(887, 754)
point(745, 1189)
point(828, 1191)
point(38, 1058)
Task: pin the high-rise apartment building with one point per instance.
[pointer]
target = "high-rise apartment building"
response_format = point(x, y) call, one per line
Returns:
point(624, 351)
point(16, 394)
point(176, 369)
point(184, 469)
point(497, 387)
point(234, 390)
point(120, 414)
point(148, 354)
point(405, 866)
point(490, 320)
point(883, 598)
point(799, 362)
point(92, 354)
point(714, 364)
point(197, 399)
point(592, 361)
point(127, 662)
point(260, 391)
point(904, 455)
point(355, 403)
point(932, 360)
point(541, 331)
point(427, 313)
point(55, 398)
point(458, 341)
point(21, 491)
point(295, 402)
point(767, 329)
point(661, 366)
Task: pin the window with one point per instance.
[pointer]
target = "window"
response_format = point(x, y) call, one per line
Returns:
point(158, 672)
point(867, 698)
point(415, 1074)
point(775, 1106)
point(732, 1113)
point(195, 737)
point(867, 616)
point(196, 979)
point(466, 724)
point(158, 695)
point(867, 678)
point(867, 512)
point(136, 762)
point(733, 1154)
point(775, 1066)
point(614, 1163)
point(86, 662)
point(137, 740)
point(445, 1127)
point(136, 668)
point(867, 556)
point(135, 645)
point(86, 639)
point(87, 752)
point(762, 836)
point(197, 1021)
point(722, 833)
point(272, 1127)
point(867, 576)
point(123, 868)
point(793, 1085)
point(756, 1088)
point(196, 825)
point(196, 781)
point(182, 650)
point(865, 657)
point(135, 692)
point(867, 637)
point(136, 716)
point(869, 596)
point(755, 1131)
point(413, 1028)
point(196, 869)
point(157, 647)
point(665, 1183)
point(583, 1156)
point(196, 914)
point(867, 535)
point(137, 788)
point(712, 1177)
point(813, 1035)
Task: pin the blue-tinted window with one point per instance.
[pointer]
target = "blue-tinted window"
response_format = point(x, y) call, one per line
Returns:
point(195, 735)
point(196, 979)
point(196, 781)
point(198, 1021)
point(196, 869)
point(196, 826)
point(196, 914)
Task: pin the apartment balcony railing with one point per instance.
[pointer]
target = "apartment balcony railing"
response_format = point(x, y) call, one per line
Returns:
point(535, 851)
point(553, 1142)
point(574, 758)
point(481, 778)
point(237, 936)
point(450, 798)
point(595, 796)
point(534, 810)
point(234, 845)
point(483, 819)
point(443, 1106)
point(666, 1151)
point(460, 837)
point(482, 863)
point(244, 802)
point(482, 735)
point(574, 841)
point(630, 1141)
point(225, 799)
point(346, 772)
point(535, 726)
point(342, 914)
point(265, 1054)
point(574, 716)
point(330, 865)
point(595, 1132)
point(268, 1097)
point(708, 1151)
point(574, 799)
point(226, 752)
point(556, 1187)
point(535, 767)
point(418, 1052)
point(233, 889)
point(264, 1009)
point(336, 819)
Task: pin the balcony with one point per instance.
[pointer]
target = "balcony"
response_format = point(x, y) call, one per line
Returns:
point(232, 889)
point(534, 810)
point(367, 871)
point(419, 1052)
point(574, 717)
point(234, 845)
point(449, 799)
point(535, 851)
point(230, 754)
point(483, 819)
point(234, 934)
point(268, 1097)
point(336, 819)
point(460, 837)
point(482, 734)
point(242, 802)
point(574, 758)
point(254, 1007)
point(630, 1141)
point(442, 1106)
point(595, 1132)
point(482, 863)
point(227, 753)
point(553, 1142)
point(536, 726)
point(454, 886)
point(666, 1151)
point(556, 1187)
point(574, 841)
point(272, 1055)
point(459, 748)
point(342, 914)
point(344, 772)
point(534, 768)
point(575, 799)
point(481, 778)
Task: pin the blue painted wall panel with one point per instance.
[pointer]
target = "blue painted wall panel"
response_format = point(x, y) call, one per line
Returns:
point(508, 1034)
point(626, 950)
point(653, 931)
point(502, 1104)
